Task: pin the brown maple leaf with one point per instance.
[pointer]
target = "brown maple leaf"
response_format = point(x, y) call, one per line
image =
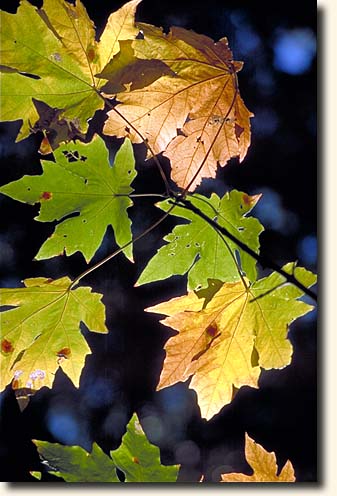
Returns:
point(196, 117)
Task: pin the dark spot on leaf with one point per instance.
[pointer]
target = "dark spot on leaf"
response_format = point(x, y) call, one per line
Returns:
point(127, 129)
point(46, 195)
point(212, 330)
point(6, 346)
point(91, 54)
point(57, 57)
point(48, 281)
point(64, 353)
point(135, 460)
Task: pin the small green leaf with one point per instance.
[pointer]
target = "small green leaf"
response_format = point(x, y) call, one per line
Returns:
point(198, 249)
point(139, 459)
point(136, 457)
point(81, 183)
point(74, 464)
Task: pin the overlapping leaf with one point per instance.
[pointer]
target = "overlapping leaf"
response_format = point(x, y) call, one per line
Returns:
point(42, 331)
point(228, 333)
point(264, 466)
point(81, 183)
point(202, 102)
point(198, 249)
point(136, 457)
point(56, 45)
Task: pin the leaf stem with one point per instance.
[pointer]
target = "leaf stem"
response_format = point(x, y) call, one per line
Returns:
point(119, 250)
point(144, 140)
point(262, 259)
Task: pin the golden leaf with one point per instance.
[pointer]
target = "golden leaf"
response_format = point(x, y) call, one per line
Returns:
point(264, 466)
point(196, 114)
point(227, 334)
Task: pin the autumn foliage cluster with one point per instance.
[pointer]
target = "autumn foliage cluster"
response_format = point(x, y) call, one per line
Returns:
point(176, 93)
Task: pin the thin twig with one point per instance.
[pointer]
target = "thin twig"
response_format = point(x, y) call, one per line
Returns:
point(119, 250)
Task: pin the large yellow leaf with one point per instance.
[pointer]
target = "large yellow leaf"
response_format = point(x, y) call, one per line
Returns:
point(264, 466)
point(42, 332)
point(228, 333)
point(56, 45)
point(202, 102)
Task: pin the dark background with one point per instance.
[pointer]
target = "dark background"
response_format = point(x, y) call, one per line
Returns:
point(276, 40)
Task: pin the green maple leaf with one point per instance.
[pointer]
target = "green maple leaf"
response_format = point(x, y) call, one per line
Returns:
point(82, 182)
point(139, 459)
point(75, 464)
point(42, 332)
point(198, 249)
point(136, 457)
point(56, 45)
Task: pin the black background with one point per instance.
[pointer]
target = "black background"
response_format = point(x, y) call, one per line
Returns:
point(121, 374)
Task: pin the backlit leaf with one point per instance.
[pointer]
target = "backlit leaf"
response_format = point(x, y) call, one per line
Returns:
point(264, 466)
point(202, 101)
point(198, 249)
point(42, 331)
point(136, 457)
point(75, 464)
point(227, 334)
point(56, 45)
point(81, 183)
point(139, 459)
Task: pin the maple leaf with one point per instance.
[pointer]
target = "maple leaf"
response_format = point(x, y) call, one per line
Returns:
point(227, 334)
point(51, 54)
point(42, 332)
point(136, 457)
point(264, 466)
point(197, 248)
point(81, 182)
point(202, 102)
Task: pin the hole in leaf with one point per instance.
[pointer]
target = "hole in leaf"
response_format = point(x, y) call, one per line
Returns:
point(188, 246)
point(65, 235)
point(127, 129)
point(241, 229)
point(197, 244)
point(84, 221)
point(85, 181)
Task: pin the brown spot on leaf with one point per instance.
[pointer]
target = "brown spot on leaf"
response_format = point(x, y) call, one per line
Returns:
point(6, 346)
point(135, 460)
point(46, 195)
point(91, 54)
point(212, 330)
point(64, 353)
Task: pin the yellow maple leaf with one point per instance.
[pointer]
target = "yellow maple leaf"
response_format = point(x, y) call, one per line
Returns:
point(202, 102)
point(264, 466)
point(227, 334)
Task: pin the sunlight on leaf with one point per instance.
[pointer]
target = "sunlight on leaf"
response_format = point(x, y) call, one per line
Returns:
point(136, 457)
point(81, 182)
point(227, 335)
point(56, 45)
point(198, 249)
point(42, 331)
point(202, 102)
point(264, 466)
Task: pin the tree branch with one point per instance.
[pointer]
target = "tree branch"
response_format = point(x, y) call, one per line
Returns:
point(262, 259)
